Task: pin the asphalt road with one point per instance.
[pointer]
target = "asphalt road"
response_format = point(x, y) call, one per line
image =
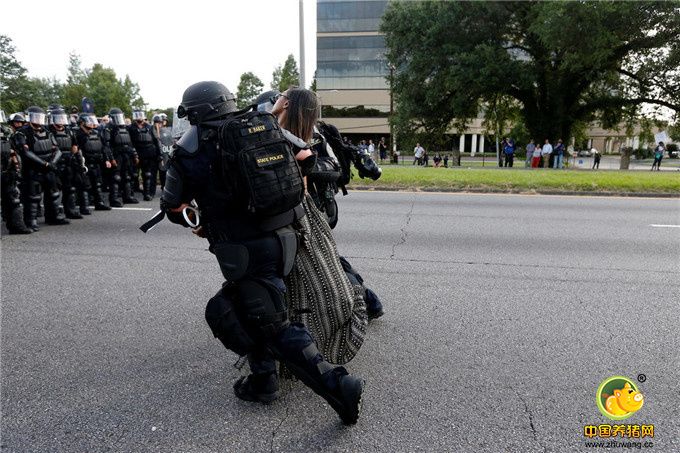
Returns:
point(499, 329)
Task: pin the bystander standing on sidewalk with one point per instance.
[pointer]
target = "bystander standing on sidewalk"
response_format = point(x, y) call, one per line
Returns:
point(530, 153)
point(371, 150)
point(658, 155)
point(546, 152)
point(382, 148)
point(559, 154)
point(596, 159)
point(536, 157)
point(418, 152)
point(509, 151)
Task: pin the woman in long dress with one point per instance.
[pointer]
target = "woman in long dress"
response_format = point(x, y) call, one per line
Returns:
point(319, 293)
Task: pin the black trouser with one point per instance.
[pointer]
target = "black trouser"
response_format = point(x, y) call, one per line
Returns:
point(94, 176)
point(12, 209)
point(73, 182)
point(596, 163)
point(509, 159)
point(34, 183)
point(265, 321)
point(149, 166)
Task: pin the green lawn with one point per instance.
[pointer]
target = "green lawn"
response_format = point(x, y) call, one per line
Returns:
point(522, 180)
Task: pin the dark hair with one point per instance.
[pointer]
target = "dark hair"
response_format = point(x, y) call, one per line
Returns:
point(303, 111)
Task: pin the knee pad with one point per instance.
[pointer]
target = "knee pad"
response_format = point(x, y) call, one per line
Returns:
point(147, 175)
point(262, 306)
point(221, 316)
point(116, 178)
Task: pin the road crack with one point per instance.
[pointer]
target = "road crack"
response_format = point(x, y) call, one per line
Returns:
point(276, 430)
point(531, 420)
point(404, 233)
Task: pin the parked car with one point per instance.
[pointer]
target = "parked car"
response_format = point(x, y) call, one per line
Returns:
point(584, 153)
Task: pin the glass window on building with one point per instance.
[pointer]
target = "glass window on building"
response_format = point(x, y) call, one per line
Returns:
point(349, 16)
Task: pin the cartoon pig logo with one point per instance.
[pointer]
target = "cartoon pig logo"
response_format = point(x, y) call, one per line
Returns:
point(619, 398)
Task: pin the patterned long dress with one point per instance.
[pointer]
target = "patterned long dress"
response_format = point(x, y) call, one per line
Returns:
point(320, 295)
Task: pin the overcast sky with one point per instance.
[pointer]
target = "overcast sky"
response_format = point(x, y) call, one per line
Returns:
point(164, 46)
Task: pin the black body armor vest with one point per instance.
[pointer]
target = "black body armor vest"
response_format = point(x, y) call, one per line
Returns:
point(64, 139)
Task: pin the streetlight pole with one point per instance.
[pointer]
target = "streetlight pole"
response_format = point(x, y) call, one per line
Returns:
point(392, 137)
point(302, 45)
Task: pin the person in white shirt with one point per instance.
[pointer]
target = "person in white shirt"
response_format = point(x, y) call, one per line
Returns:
point(418, 152)
point(371, 150)
point(546, 152)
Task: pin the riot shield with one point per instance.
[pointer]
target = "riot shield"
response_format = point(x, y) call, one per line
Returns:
point(166, 139)
point(179, 126)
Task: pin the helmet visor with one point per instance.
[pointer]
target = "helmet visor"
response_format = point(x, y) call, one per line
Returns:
point(59, 118)
point(118, 119)
point(36, 118)
point(138, 115)
point(90, 120)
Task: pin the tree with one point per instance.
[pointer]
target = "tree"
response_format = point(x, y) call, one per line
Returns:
point(104, 88)
point(75, 88)
point(286, 76)
point(562, 62)
point(12, 77)
point(248, 89)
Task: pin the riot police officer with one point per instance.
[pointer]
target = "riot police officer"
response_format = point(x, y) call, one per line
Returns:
point(148, 150)
point(248, 315)
point(71, 166)
point(10, 166)
point(95, 153)
point(16, 121)
point(39, 155)
point(118, 138)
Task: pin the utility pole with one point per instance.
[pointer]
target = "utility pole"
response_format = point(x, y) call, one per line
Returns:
point(393, 139)
point(302, 45)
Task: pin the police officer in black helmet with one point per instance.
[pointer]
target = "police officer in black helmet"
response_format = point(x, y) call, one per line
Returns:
point(39, 155)
point(10, 167)
point(71, 164)
point(148, 150)
point(118, 138)
point(96, 154)
point(248, 315)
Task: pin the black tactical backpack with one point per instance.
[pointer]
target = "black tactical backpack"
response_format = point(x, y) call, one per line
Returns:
point(259, 163)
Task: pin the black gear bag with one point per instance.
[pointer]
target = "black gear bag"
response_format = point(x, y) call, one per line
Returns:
point(259, 163)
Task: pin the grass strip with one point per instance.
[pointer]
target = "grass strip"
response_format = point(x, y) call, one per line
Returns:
point(523, 180)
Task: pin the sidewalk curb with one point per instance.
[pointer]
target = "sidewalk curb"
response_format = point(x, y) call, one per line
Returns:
point(517, 191)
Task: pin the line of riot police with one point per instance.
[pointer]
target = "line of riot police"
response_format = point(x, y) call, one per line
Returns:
point(49, 162)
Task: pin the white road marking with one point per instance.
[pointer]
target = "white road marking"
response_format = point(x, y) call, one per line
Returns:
point(664, 226)
point(132, 209)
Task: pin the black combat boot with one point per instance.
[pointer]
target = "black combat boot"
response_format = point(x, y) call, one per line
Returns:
point(99, 204)
point(15, 221)
point(84, 202)
point(258, 388)
point(70, 208)
point(128, 196)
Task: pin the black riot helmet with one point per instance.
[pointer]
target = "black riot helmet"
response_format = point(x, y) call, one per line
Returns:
point(117, 117)
point(36, 116)
point(88, 120)
point(17, 117)
point(205, 101)
point(59, 117)
point(265, 101)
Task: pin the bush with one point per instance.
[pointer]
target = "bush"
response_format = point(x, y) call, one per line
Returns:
point(643, 153)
